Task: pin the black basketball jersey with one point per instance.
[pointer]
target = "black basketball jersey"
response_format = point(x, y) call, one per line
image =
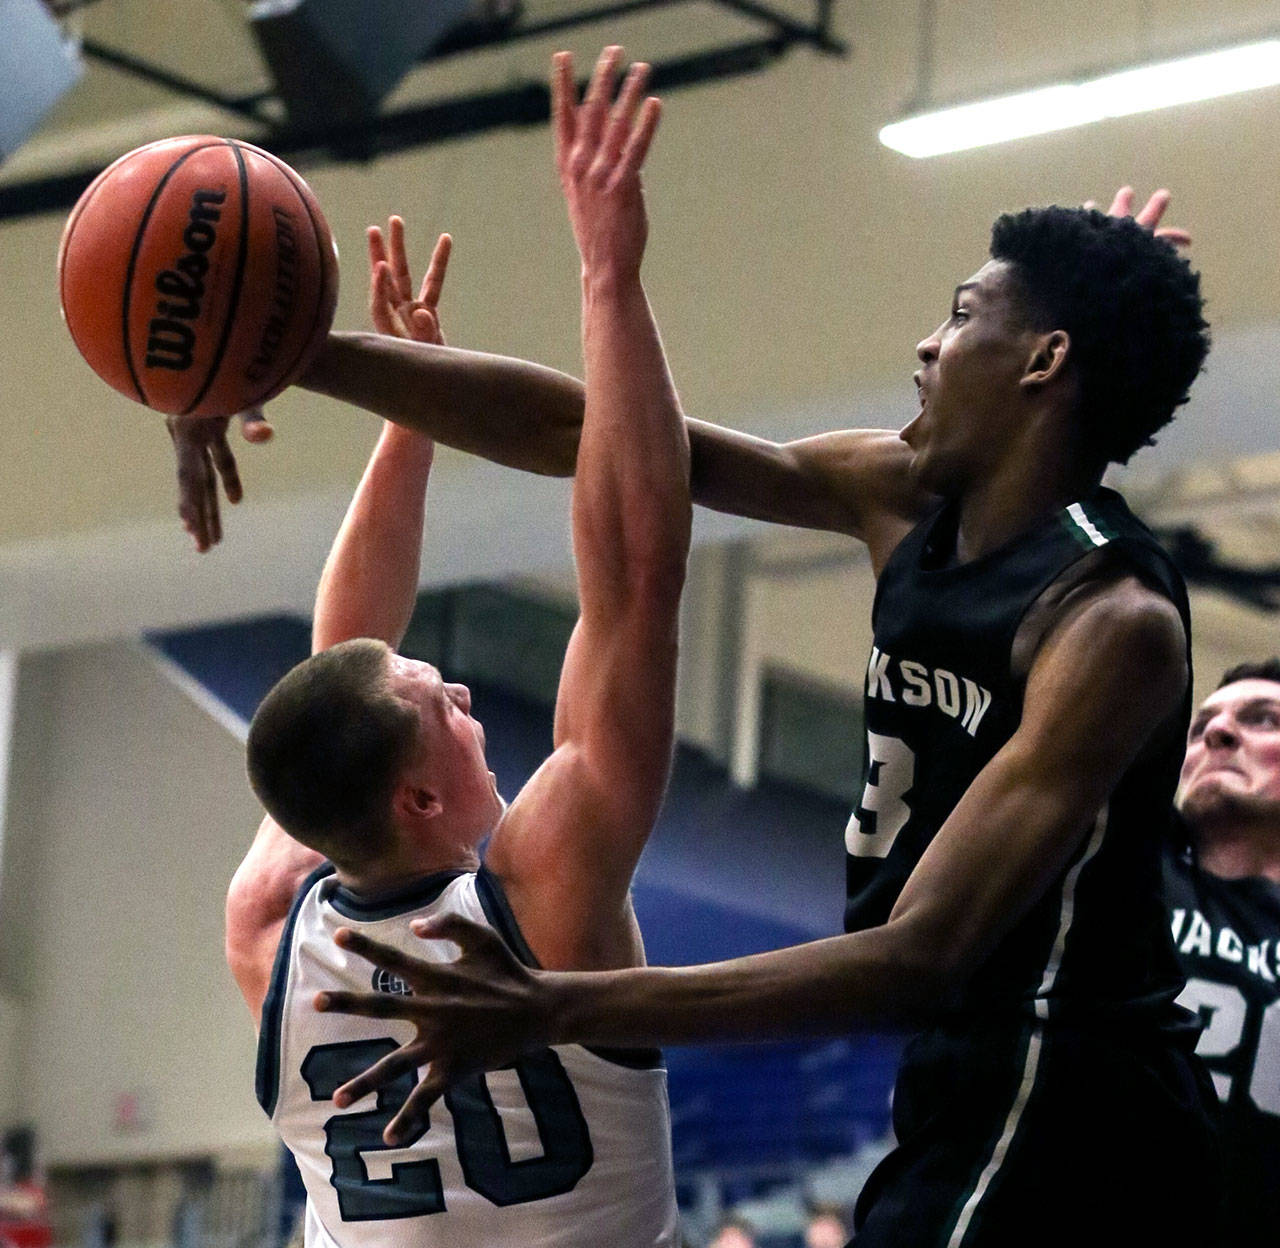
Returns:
point(942, 698)
point(1071, 1023)
point(1227, 934)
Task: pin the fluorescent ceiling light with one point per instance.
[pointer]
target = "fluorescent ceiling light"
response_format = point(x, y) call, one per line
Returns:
point(1059, 107)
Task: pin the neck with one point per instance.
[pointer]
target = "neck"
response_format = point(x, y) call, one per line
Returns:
point(402, 864)
point(1239, 851)
point(1032, 480)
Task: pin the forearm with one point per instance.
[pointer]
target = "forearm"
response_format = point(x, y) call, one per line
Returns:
point(631, 503)
point(513, 412)
point(865, 980)
point(525, 416)
point(369, 585)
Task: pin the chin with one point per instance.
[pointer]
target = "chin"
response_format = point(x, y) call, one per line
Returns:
point(1207, 801)
point(932, 477)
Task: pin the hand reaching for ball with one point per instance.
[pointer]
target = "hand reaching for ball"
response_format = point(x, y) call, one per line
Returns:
point(201, 446)
point(203, 456)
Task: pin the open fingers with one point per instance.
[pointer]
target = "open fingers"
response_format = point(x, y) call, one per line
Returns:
point(1154, 209)
point(365, 1004)
point(641, 137)
point(414, 1116)
point(191, 490)
point(624, 111)
point(382, 955)
point(1122, 204)
point(595, 104)
point(405, 1058)
point(433, 281)
point(225, 463)
point(212, 516)
point(398, 259)
point(468, 936)
point(563, 103)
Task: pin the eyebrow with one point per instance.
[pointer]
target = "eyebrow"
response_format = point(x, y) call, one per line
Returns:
point(962, 288)
point(1205, 713)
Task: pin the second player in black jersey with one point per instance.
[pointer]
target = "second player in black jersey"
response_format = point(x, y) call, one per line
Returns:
point(1222, 882)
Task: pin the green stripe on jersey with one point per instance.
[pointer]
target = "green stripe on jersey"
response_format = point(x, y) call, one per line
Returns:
point(1087, 529)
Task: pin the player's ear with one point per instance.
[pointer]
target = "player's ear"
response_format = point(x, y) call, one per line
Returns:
point(1047, 358)
point(414, 803)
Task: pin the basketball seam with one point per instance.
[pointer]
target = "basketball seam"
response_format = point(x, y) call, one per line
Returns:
point(133, 263)
point(319, 304)
point(242, 254)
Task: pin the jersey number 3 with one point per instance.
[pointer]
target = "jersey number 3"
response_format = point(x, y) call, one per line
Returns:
point(883, 812)
point(414, 1188)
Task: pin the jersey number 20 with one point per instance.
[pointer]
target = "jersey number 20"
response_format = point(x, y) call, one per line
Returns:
point(414, 1188)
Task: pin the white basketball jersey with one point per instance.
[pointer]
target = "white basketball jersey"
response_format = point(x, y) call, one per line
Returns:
point(568, 1148)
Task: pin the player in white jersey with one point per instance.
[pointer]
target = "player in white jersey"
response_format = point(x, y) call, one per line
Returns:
point(375, 766)
point(569, 1147)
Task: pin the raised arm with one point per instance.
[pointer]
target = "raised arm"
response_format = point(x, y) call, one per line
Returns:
point(370, 580)
point(368, 589)
point(569, 844)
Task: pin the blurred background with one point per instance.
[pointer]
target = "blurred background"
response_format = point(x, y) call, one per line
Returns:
point(794, 262)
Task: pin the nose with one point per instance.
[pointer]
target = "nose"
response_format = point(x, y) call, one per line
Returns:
point(927, 348)
point(462, 696)
point(1220, 732)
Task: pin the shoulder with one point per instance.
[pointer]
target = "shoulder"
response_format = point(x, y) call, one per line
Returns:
point(1103, 593)
point(1126, 612)
point(1123, 632)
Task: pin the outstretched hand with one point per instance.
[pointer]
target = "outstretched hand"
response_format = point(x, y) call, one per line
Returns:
point(204, 457)
point(1149, 216)
point(392, 306)
point(599, 152)
point(477, 1013)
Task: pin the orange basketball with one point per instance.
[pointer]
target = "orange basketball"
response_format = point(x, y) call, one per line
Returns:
point(198, 275)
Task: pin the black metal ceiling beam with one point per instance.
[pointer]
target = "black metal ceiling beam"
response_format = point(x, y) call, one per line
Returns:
point(522, 104)
point(244, 106)
point(819, 34)
point(1198, 561)
point(418, 125)
point(485, 34)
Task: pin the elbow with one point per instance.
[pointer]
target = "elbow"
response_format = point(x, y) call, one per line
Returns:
point(928, 970)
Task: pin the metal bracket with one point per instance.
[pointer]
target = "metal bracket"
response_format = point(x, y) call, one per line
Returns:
point(422, 124)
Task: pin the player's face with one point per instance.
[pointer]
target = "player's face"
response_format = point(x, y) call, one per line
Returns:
point(1232, 767)
point(970, 369)
point(452, 741)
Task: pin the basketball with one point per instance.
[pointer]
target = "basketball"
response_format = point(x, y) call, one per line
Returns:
point(198, 276)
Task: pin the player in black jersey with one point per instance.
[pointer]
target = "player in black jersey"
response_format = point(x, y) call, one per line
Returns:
point(1026, 704)
point(1223, 892)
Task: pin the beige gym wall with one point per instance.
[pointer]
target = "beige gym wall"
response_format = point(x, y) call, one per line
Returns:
point(794, 263)
point(131, 809)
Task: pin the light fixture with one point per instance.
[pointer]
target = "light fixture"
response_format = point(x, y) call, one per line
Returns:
point(1059, 107)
